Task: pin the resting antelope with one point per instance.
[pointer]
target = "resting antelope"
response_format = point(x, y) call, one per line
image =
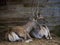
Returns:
point(21, 32)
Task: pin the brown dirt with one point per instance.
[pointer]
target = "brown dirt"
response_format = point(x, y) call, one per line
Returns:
point(54, 41)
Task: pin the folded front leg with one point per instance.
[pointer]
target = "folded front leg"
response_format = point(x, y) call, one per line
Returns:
point(50, 37)
point(30, 39)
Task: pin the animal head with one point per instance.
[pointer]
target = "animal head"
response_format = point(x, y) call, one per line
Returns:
point(39, 16)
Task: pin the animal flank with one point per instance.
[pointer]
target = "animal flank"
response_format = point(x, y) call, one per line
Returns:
point(19, 30)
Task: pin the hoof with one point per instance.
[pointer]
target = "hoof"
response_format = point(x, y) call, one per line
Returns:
point(50, 37)
point(27, 41)
point(47, 38)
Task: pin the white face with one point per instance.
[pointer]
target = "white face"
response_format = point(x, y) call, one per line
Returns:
point(46, 31)
point(43, 31)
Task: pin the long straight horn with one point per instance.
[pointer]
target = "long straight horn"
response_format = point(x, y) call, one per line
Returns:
point(37, 13)
point(37, 9)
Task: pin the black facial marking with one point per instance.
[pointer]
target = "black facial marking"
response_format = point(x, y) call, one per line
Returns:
point(44, 26)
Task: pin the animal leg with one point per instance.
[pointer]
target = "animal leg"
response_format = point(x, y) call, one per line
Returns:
point(46, 36)
point(50, 37)
point(30, 39)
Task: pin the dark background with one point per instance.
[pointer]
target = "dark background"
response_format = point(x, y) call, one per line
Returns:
point(17, 12)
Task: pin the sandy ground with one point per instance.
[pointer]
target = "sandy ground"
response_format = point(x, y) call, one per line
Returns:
point(54, 41)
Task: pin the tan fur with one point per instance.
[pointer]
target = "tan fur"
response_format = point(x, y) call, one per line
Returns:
point(19, 30)
point(23, 31)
